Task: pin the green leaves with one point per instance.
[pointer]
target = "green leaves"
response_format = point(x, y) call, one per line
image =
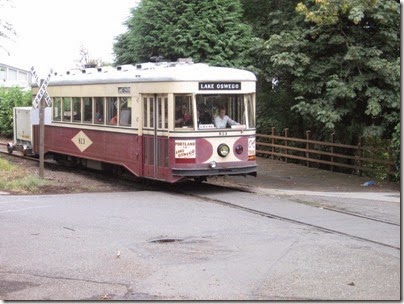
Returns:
point(9, 98)
point(208, 31)
point(341, 63)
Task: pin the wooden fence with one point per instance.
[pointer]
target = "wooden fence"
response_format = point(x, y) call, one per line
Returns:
point(354, 159)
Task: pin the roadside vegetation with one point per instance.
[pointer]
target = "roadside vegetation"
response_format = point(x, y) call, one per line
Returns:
point(15, 179)
point(9, 98)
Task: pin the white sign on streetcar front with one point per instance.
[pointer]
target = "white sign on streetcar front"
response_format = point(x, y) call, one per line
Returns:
point(251, 146)
point(185, 149)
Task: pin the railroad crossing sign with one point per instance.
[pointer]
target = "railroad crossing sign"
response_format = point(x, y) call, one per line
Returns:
point(42, 89)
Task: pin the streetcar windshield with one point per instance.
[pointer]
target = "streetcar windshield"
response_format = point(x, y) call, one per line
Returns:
point(224, 111)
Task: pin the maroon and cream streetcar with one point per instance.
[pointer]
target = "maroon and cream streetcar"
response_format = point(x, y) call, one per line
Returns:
point(157, 120)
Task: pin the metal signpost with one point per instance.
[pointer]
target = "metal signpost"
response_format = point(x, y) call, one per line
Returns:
point(39, 101)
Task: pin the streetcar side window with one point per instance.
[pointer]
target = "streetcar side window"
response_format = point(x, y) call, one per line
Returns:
point(67, 109)
point(160, 109)
point(183, 111)
point(165, 112)
point(148, 112)
point(251, 111)
point(125, 111)
point(162, 112)
point(99, 110)
point(76, 109)
point(87, 109)
point(57, 108)
point(112, 111)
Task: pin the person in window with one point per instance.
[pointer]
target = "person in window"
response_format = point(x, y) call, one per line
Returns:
point(99, 117)
point(222, 120)
point(181, 116)
point(204, 116)
point(114, 120)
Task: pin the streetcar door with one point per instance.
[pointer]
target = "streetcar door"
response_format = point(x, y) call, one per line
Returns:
point(155, 139)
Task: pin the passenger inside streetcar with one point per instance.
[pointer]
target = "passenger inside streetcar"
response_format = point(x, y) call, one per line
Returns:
point(204, 116)
point(114, 120)
point(222, 120)
point(182, 118)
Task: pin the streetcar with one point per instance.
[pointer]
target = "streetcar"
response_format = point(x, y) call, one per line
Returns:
point(157, 120)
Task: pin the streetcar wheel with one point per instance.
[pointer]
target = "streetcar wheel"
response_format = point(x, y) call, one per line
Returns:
point(10, 148)
point(200, 180)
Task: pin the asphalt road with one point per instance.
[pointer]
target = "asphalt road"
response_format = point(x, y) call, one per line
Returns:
point(157, 245)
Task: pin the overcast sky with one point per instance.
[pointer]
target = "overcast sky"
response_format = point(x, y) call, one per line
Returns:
point(50, 33)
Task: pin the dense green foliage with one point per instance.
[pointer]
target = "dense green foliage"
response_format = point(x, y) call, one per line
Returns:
point(340, 62)
point(331, 66)
point(207, 31)
point(9, 98)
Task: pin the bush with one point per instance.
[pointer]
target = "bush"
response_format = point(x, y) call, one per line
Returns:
point(9, 98)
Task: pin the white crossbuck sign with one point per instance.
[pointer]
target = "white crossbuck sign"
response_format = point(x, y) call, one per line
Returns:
point(42, 89)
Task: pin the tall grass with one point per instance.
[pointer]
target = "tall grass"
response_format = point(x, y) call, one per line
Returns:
point(15, 179)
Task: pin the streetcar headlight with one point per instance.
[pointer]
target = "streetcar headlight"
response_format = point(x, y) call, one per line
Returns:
point(239, 149)
point(223, 150)
point(213, 164)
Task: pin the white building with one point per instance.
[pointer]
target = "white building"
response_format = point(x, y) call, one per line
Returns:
point(12, 76)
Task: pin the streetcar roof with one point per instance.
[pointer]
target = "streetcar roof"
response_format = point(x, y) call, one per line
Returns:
point(151, 72)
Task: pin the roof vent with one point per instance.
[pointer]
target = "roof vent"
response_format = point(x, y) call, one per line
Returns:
point(185, 60)
point(138, 66)
point(126, 67)
point(156, 58)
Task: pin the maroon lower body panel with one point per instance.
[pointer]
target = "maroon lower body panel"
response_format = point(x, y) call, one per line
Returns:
point(109, 147)
point(153, 157)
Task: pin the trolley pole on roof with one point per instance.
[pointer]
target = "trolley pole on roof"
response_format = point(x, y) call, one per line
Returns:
point(39, 102)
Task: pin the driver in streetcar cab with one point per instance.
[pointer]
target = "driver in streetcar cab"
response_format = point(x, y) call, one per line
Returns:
point(222, 120)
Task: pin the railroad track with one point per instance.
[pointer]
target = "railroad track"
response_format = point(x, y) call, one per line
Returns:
point(387, 224)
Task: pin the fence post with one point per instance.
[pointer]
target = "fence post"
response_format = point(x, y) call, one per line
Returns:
point(307, 147)
point(273, 143)
point(286, 144)
point(390, 159)
point(332, 150)
point(359, 158)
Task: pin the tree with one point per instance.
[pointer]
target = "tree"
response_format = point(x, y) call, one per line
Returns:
point(269, 18)
point(342, 63)
point(207, 31)
point(9, 98)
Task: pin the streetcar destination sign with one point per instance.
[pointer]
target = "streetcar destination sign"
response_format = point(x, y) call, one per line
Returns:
point(219, 86)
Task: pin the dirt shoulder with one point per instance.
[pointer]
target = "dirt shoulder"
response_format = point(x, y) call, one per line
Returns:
point(67, 180)
point(276, 174)
point(272, 174)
